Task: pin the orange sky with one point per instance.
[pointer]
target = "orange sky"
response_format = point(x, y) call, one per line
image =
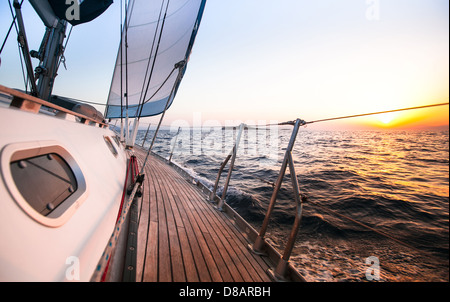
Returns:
point(261, 60)
point(421, 118)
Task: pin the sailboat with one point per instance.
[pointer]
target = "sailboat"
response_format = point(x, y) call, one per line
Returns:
point(70, 183)
point(63, 169)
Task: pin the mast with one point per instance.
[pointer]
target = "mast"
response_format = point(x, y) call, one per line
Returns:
point(50, 54)
point(55, 15)
point(22, 38)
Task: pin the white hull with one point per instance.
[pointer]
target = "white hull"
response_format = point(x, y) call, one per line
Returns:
point(67, 248)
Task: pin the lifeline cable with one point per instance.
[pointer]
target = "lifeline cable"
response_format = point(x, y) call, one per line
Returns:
point(178, 66)
point(332, 211)
point(386, 235)
point(141, 98)
point(374, 113)
point(287, 123)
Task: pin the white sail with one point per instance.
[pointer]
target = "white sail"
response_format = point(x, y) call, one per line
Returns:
point(158, 37)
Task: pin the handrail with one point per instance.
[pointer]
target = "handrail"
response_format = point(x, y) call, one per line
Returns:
point(145, 137)
point(33, 104)
point(174, 144)
point(222, 166)
point(231, 155)
point(280, 271)
point(239, 221)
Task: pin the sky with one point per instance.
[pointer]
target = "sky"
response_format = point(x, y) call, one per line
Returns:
point(261, 61)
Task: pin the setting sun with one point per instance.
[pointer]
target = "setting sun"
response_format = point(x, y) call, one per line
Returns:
point(426, 117)
point(387, 118)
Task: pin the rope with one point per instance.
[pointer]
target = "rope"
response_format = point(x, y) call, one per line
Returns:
point(291, 123)
point(130, 166)
point(363, 225)
point(121, 64)
point(178, 66)
point(342, 216)
point(9, 30)
point(374, 113)
point(89, 102)
point(160, 87)
point(141, 98)
point(25, 78)
point(103, 265)
point(388, 236)
point(63, 58)
point(154, 61)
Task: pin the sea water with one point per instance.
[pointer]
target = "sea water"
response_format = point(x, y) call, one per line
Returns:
point(377, 201)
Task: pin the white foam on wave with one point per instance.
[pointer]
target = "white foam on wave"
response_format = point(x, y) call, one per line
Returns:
point(197, 178)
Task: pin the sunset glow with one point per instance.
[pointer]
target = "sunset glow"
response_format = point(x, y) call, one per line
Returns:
point(280, 60)
point(387, 118)
point(414, 119)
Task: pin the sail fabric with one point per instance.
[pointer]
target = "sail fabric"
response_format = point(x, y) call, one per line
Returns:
point(159, 34)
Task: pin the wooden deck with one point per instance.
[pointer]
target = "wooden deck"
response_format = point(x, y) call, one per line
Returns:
point(182, 238)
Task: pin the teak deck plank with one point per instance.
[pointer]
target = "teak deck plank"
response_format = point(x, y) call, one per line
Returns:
point(181, 237)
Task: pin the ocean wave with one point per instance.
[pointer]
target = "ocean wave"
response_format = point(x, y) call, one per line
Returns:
point(316, 223)
point(385, 180)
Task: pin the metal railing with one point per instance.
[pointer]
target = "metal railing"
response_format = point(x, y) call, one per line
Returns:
point(174, 144)
point(283, 271)
point(279, 273)
point(231, 155)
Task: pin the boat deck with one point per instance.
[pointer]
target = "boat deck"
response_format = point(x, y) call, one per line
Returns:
point(182, 238)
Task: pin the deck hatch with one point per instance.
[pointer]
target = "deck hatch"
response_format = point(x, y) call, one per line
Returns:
point(44, 181)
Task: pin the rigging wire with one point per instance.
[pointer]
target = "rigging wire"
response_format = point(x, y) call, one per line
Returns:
point(25, 78)
point(342, 216)
point(374, 113)
point(154, 61)
point(345, 217)
point(128, 12)
point(161, 86)
point(248, 126)
point(121, 63)
point(336, 118)
point(386, 235)
point(62, 59)
point(7, 34)
point(126, 58)
point(141, 98)
point(13, 23)
point(178, 66)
